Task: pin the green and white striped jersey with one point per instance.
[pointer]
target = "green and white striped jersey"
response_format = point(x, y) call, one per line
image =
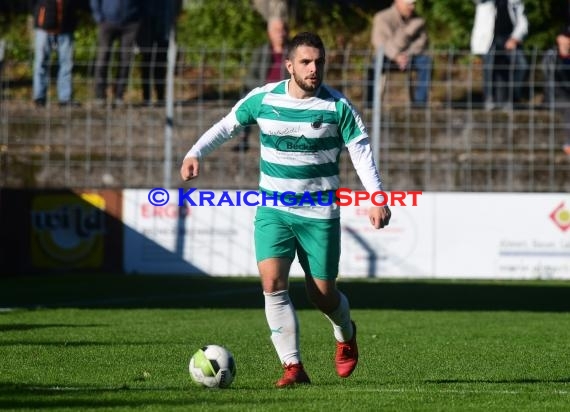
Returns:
point(300, 139)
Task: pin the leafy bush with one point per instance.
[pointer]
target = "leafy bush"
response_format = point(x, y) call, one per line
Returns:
point(18, 37)
point(231, 24)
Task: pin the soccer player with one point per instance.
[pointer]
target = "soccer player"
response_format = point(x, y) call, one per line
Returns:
point(303, 125)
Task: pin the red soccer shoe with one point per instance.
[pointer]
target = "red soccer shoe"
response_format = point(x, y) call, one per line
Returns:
point(346, 356)
point(294, 374)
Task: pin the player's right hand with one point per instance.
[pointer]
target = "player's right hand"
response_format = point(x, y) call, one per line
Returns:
point(190, 168)
point(379, 216)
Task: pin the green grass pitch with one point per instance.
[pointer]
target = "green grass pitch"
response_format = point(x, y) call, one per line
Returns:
point(113, 343)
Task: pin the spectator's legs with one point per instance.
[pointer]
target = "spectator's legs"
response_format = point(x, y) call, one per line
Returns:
point(153, 70)
point(519, 66)
point(145, 42)
point(488, 69)
point(548, 70)
point(105, 37)
point(128, 37)
point(42, 49)
point(422, 65)
point(502, 77)
point(562, 80)
point(146, 63)
point(566, 117)
point(65, 73)
point(160, 63)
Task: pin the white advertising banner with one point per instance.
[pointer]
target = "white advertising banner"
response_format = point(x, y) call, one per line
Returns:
point(447, 235)
point(214, 240)
point(502, 235)
point(403, 249)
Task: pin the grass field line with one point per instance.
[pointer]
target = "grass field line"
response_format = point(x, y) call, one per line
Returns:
point(454, 391)
point(359, 390)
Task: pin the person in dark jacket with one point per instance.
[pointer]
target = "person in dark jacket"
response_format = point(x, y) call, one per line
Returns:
point(54, 23)
point(116, 20)
point(556, 69)
point(159, 17)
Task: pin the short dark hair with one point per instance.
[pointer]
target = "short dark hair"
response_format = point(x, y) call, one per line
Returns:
point(306, 39)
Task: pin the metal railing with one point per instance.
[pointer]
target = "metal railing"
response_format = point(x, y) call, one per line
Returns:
point(452, 144)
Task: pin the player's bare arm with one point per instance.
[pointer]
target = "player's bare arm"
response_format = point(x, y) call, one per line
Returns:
point(190, 168)
point(379, 216)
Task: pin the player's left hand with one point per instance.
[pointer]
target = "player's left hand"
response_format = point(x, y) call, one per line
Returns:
point(379, 216)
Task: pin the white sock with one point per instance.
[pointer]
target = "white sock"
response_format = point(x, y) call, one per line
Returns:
point(284, 326)
point(340, 320)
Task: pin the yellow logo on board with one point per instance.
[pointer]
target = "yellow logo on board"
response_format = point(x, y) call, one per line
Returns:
point(67, 231)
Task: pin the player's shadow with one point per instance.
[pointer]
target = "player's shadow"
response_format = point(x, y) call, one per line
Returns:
point(171, 291)
point(83, 397)
point(468, 296)
point(10, 327)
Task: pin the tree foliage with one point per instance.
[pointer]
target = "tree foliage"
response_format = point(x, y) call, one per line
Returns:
point(223, 23)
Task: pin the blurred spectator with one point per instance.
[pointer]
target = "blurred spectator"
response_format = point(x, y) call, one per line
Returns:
point(556, 67)
point(498, 32)
point(158, 20)
point(54, 23)
point(116, 20)
point(270, 9)
point(267, 65)
point(403, 36)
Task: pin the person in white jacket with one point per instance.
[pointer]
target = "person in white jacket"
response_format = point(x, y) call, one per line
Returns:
point(499, 29)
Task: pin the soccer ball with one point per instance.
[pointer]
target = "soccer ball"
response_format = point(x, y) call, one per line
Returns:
point(213, 366)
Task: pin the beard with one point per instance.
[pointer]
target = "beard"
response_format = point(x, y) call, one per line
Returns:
point(306, 86)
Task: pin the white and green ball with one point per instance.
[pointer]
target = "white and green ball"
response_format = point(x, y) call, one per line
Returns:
point(213, 366)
